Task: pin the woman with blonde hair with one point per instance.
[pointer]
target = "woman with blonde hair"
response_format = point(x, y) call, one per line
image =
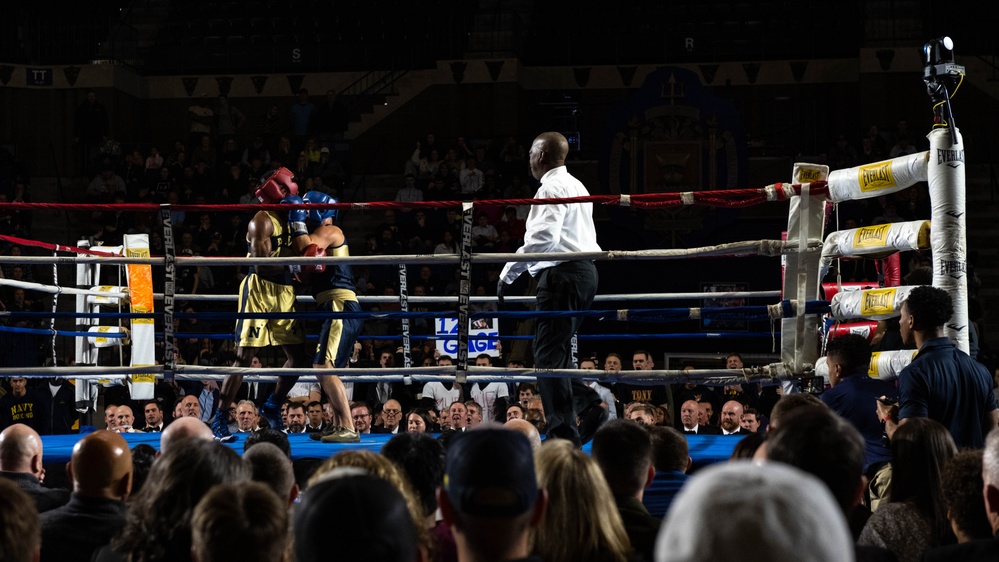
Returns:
point(582, 523)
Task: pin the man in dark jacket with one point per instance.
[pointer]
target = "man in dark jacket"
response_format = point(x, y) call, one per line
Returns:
point(623, 449)
point(21, 462)
point(101, 470)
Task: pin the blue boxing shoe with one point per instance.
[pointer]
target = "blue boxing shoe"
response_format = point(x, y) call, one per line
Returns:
point(271, 411)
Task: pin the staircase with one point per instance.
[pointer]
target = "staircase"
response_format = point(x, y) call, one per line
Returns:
point(383, 97)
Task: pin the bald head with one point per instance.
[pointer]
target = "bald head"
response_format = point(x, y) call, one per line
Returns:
point(547, 152)
point(184, 428)
point(124, 418)
point(20, 450)
point(101, 466)
point(731, 415)
point(528, 429)
point(688, 414)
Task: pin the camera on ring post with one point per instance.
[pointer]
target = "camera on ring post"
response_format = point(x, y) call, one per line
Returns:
point(941, 76)
point(940, 70)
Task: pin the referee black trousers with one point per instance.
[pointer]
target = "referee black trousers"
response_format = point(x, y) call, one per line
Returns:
point(566, 286)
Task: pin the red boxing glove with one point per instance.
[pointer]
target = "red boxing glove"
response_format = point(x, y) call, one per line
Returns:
point(310, 251)
point(890, 270)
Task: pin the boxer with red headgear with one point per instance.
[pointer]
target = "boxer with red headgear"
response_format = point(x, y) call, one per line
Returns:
point(266, 289)
point(333, 288)
point(276, 186)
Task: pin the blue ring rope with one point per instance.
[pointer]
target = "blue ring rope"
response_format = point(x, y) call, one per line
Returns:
point(745, 313)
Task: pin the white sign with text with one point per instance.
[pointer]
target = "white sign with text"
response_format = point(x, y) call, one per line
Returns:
point(480, 327)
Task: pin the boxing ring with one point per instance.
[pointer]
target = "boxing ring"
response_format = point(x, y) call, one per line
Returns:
point(807, 258)
point(803, 319)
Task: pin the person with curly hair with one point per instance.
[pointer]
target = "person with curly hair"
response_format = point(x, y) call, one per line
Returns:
point(962, 490)
point(942, 383)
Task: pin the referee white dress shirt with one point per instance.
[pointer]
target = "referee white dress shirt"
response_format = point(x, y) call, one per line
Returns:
point(555, 228)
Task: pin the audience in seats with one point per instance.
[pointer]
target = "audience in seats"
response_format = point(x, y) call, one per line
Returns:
point(828, 447)
point(914, 517)
point(744, 511)
point(269, 465)
point(690, 420)
point(582, 522)
point(158, 524)
point(422, 460)
point(361, 413)
point(21, 456)
point(731, 418)
point(490, 499)
point(243, 521)
point(623, 450)
point(379, 466)
point(671, 459)
point(20, 535)
point(379, 527)
point(962, 491)
point(985, 549)
point(180, 430)
point(526, 428)
point(750, 420)
point(101, 471)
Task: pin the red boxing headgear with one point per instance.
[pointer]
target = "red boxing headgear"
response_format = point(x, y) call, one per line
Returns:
point(277, 186)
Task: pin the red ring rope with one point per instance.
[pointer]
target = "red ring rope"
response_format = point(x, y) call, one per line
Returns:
point(730, 198)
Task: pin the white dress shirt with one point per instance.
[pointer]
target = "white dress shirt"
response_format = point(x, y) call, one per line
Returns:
point(607, 396)
point(555, 228)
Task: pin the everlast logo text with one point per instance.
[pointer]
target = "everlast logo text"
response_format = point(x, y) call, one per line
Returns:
point(807, 175)
point(875, 176)
point(949, 155)
point(871, 236)
point(877, 302)
point(955, 269)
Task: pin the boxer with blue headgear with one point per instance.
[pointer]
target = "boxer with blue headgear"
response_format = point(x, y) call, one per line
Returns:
point(317, 216)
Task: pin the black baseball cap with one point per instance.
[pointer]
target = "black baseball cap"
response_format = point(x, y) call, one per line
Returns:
point(490, 473)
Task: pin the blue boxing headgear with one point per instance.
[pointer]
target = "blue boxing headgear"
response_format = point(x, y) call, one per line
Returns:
point(316, 216)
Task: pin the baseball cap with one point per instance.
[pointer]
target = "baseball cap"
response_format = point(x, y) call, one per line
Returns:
point(324, 150)
point(490, 473)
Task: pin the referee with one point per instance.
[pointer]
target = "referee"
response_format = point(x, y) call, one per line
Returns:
point(562, 285)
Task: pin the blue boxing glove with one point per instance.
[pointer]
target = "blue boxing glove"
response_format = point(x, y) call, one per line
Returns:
point(296, 217)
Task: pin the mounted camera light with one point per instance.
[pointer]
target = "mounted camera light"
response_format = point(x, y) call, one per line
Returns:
point(941, 76)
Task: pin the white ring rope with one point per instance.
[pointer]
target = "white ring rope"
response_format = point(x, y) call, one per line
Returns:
point(519, 299)
point(55, 289)
point(772, 372)
point(768, 248)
